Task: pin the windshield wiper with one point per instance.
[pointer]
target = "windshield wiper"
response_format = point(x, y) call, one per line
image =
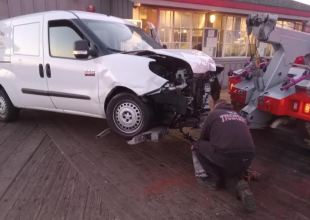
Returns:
point(124, 52)
point(115, 50)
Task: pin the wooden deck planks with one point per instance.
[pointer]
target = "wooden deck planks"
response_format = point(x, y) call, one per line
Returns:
point(15, 162)
point(52, 167)
point(134, 173)
point(63, 202)
point(79, 199)
point(55, 190)
point(161, 159)
point(116, 201)
point(96, 208)
point(28, 175)
point(29, 199)
point(48, 187)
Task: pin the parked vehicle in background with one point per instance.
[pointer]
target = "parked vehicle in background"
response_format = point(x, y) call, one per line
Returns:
point(99, 66)
point(276, 92)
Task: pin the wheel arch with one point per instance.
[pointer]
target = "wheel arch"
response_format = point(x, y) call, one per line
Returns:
point(3, 89)
point(115, 91)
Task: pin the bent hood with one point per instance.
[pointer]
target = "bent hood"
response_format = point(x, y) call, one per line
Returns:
point(200, 62)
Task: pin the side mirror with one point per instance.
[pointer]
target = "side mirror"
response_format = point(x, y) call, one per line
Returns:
point(81, 49)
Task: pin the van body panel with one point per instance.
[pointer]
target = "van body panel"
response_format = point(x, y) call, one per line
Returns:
point(25, 62)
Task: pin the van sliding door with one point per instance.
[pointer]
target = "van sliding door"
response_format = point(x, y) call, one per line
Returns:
point(27, 63)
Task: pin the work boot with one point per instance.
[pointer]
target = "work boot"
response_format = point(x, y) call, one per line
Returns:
point(245, 194)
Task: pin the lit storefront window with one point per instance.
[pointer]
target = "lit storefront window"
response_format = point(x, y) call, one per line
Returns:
point(199, 23)
point(182, 29)
point(234, 38)
point(165, 27)
point(186, 29)
point(291, 25)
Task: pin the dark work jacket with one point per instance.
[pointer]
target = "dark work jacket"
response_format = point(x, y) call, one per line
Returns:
point(227, 132)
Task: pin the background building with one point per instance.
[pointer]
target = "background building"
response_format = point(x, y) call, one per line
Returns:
point(183, 23)
point(217, 27)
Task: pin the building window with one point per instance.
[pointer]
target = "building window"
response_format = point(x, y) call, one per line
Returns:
point(199, 23)
point(182, 30)
point(165, 27)
point(290, 25)
point(234, 40)
point(148, 15)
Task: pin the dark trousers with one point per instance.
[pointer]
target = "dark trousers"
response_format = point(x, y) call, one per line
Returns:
point(223, 166)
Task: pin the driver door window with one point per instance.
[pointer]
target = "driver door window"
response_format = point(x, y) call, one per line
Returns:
point(61, 41)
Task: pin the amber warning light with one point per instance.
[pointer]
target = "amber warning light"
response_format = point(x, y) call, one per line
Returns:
point(307, 108)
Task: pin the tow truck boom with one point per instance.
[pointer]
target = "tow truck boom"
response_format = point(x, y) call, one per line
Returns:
point(287, 45)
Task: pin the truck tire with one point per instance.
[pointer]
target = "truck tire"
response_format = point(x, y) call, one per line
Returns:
point(303, 133)
point(128, 115)
point(7, 110)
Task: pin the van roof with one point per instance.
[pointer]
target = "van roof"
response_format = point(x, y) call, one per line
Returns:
point(77, 14)
point(97, 16)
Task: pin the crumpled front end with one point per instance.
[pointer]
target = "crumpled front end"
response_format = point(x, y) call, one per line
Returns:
point(184, 98)
point(199, 62)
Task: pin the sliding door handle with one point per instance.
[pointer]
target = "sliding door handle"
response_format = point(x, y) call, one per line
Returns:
point(48, 70)
point(41, 71)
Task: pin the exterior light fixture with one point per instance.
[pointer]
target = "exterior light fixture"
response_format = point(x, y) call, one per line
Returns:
point(212, 19)
point(136, 4)
point(91, 8)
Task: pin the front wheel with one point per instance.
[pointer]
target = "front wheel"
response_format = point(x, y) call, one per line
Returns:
point(127, 115)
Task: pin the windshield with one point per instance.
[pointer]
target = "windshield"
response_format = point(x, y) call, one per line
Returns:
point(121, 37)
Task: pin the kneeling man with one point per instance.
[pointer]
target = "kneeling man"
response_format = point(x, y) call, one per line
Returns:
point(225, 149)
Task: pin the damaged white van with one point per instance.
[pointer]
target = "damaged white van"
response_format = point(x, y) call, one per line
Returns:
point(99, 66)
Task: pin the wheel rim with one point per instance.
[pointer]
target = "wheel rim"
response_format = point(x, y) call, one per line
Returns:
point(127, 117)
point(3, 106)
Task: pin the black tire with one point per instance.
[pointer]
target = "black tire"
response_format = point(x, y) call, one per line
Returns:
point(127, 115)
point(7, 110)
point(303, 133)
point(215, 89)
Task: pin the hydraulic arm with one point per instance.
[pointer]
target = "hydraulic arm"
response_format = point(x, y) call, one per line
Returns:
point(287, 45)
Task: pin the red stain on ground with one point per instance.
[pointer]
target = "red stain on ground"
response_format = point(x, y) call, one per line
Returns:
point(165, 184)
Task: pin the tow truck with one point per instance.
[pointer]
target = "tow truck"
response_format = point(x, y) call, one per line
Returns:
point(275, 92)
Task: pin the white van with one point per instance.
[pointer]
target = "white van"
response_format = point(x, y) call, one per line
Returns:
point(99, 66)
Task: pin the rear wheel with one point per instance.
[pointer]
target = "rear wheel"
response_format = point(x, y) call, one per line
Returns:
point(7, 111)
point(303, 133)
point(127, 115)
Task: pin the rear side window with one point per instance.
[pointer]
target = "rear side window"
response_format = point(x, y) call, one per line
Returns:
point(5, 41)
point(61, 39)
point(26, 38)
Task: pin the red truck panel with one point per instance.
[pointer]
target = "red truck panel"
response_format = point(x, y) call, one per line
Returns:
point(296, 105)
